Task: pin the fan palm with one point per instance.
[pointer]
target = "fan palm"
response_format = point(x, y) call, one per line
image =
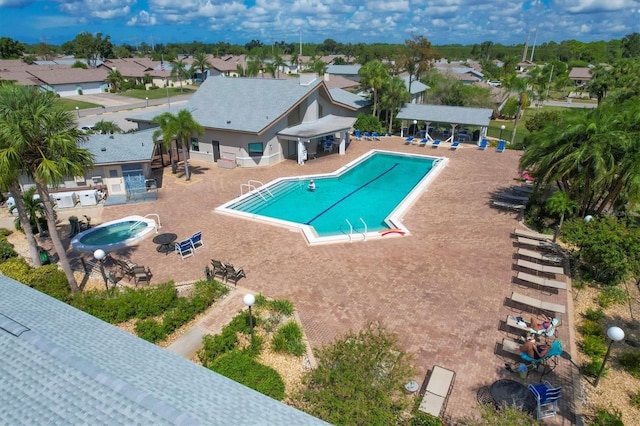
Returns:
point(179, 70)
point(41, 140)
point(394, 96)
point(180, 127)
point(107, 127)
point(201, 63)
point(33, 207)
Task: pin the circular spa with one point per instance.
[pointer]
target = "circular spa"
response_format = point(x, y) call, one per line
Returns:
point(114, 235)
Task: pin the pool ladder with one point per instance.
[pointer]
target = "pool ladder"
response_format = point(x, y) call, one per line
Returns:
point(158, 224)
point(251, 185)
point(364, 234)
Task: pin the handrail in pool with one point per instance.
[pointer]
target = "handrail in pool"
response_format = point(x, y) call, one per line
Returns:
point(248, 185)
point(364, 234)
point(258, 188)
point(157, 226)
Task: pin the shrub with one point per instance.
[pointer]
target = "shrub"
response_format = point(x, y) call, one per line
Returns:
point(4, 233)
point(593, 346)
point(594, 315)
point(631, 362)
point(604, 417)
point(241, 367)
point(285, 307)
point(149, 330)
point(288, 339)
point(592, 368)
point(261, 301)
point(50, 280)
point(16, 268)
point(216, 346)
point(591, 328)
point(368, 123)
point(612, 295)
point(424, 419)
point(6, 250)
point(635, 400)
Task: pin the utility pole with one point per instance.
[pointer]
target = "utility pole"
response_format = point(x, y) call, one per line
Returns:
point(535, 39)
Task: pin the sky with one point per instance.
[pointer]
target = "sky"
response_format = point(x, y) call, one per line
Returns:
point(345, 21)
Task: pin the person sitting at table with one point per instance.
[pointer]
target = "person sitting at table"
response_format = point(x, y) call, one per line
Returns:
point(533, 349)
point(312, 185)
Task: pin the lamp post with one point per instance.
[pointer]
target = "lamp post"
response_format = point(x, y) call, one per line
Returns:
point(615, 334)
point(588, 218)
point(99, 254)
point(147, 100)
point(249, 300)
point(502, 130)
point(415, 127)
point(78, 111)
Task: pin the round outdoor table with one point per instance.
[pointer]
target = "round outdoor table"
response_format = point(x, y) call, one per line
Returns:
point(510, 392)
point(165, 242)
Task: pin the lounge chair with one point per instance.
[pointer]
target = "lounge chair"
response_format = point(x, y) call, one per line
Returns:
point(358, 135)
point(521, 324)
point(501, 146)
point(409, 140)
point(535, 280)
point(510, 206)
point(219, 268)
point(367, 136)
point(312, 153)
point(196, 241)
point(234, 273)
point(437, 391)
point(549, 361)
point(436, 143)
point(455, 145)
point(527, 189)
point(328, 146)
point(376, 136)
point(424, 141)
point(546, 245)
point(547, 397)
point(141, 275)
point(533, 235)
point(545, 269)
point(483, 144)
point(126, 267)
point(538, 304)
point(512, 197)
point(539, 256)
point(184, 249)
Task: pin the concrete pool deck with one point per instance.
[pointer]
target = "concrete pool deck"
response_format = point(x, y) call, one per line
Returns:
point(442, 289)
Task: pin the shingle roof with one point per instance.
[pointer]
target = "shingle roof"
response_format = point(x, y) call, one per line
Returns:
point(62, 366)
point(343, 69)
point(121, 147)
point(348, 98)
point(67, 75)
point(416, 85)
point(580, 73)
point(243, 104)
point(446, 114)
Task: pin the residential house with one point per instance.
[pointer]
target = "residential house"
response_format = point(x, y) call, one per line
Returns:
point(63, 366)
point(580, 75)
point(253, 122)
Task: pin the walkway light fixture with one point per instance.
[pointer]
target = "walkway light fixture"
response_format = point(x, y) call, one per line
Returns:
point(502, 130)
point(146, 98)
point(616, 335)
point(99, 255)
point(78, 111)
point(249, 299)
point(415, 127)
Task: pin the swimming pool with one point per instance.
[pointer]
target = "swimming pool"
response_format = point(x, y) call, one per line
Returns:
point(114, 235)
point(364, 199)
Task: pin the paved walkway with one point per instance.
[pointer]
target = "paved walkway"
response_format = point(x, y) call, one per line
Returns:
point(442, 289)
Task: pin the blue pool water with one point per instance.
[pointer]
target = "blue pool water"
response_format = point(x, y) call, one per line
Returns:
point(369, 190)
point(114, 233)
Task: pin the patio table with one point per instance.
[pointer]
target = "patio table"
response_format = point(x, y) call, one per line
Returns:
point(165, 242)
point(510, 392)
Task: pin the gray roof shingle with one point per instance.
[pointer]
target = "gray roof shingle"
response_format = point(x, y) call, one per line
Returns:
point(121, 147)
point(68, 367)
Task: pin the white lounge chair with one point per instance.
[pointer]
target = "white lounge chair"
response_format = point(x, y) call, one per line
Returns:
point(537, 243)
point(531, 234)
point(539, 256)
point(526, 326)
point(540, 281)
point(512, 197)
point(538, 304)
point(510, 206)
point(548, 269)
point(437, 391)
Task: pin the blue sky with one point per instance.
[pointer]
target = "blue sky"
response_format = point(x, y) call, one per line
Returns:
point(346, 21)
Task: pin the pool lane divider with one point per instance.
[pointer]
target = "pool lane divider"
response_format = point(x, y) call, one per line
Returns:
point(352, 192)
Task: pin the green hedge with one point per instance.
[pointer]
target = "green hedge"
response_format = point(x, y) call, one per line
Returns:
point(47, 279)
point(241, 367)
point(288, 339)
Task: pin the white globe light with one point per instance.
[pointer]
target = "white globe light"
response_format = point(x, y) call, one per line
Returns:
point(503, 127)
point(588, 218)
point(99, 254)
point(615, 333)
point(249, 299)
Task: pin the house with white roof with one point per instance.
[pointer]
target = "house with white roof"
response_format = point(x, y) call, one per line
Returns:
point(63, 366)
point(252, 122)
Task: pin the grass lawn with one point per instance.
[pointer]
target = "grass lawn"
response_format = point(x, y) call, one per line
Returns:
point(158, 93)
point(71, 104)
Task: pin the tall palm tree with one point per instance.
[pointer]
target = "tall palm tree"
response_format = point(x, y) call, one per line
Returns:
point(179, 70)
point(374, 75)
point(115, 79)
point(559, 203)
point(519, 86)
point(201, 63)
point(43, 143)
point(278, 62)
point(180, 127)
point(33, 207)
point(394, 96)
point(107, 127)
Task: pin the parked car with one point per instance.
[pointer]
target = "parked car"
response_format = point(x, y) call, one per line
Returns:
point(88, 129)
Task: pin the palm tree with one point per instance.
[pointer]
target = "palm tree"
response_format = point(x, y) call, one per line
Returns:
point(560, 204)
point(394, 96)
point(518, 85)
point(107, 127)
point(180, 127)
point(374, 75)
point(179, 70)
point(201, 62)
point(33, 207)
point(41, 140)
point(115, 79)
point(278, 62)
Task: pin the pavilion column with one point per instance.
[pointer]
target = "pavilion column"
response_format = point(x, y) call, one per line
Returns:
point(453, 133)
point(343, 142)
point(426, 131)
point(302, 152)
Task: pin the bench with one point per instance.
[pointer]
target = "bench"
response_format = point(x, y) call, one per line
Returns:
point(437, 392)
point(545, 245)
point(538, 304)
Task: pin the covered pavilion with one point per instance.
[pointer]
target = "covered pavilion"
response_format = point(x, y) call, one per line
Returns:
point(453, 115)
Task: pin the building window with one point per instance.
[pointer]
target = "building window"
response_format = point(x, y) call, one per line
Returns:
point(256, 149)
point(195, 146)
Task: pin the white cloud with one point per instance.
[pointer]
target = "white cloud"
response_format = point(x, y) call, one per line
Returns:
point(142, 19)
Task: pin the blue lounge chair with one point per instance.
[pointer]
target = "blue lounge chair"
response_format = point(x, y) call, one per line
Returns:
point(455, 145)
point(196, 241)
point(184, 248)
point(376, 136)
point(483, 144)
point(436, 143)
point(424, 141)
point(367, 136)
point(408, 140)
point(547, 397)
point(358, 135)
point(501, 146)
